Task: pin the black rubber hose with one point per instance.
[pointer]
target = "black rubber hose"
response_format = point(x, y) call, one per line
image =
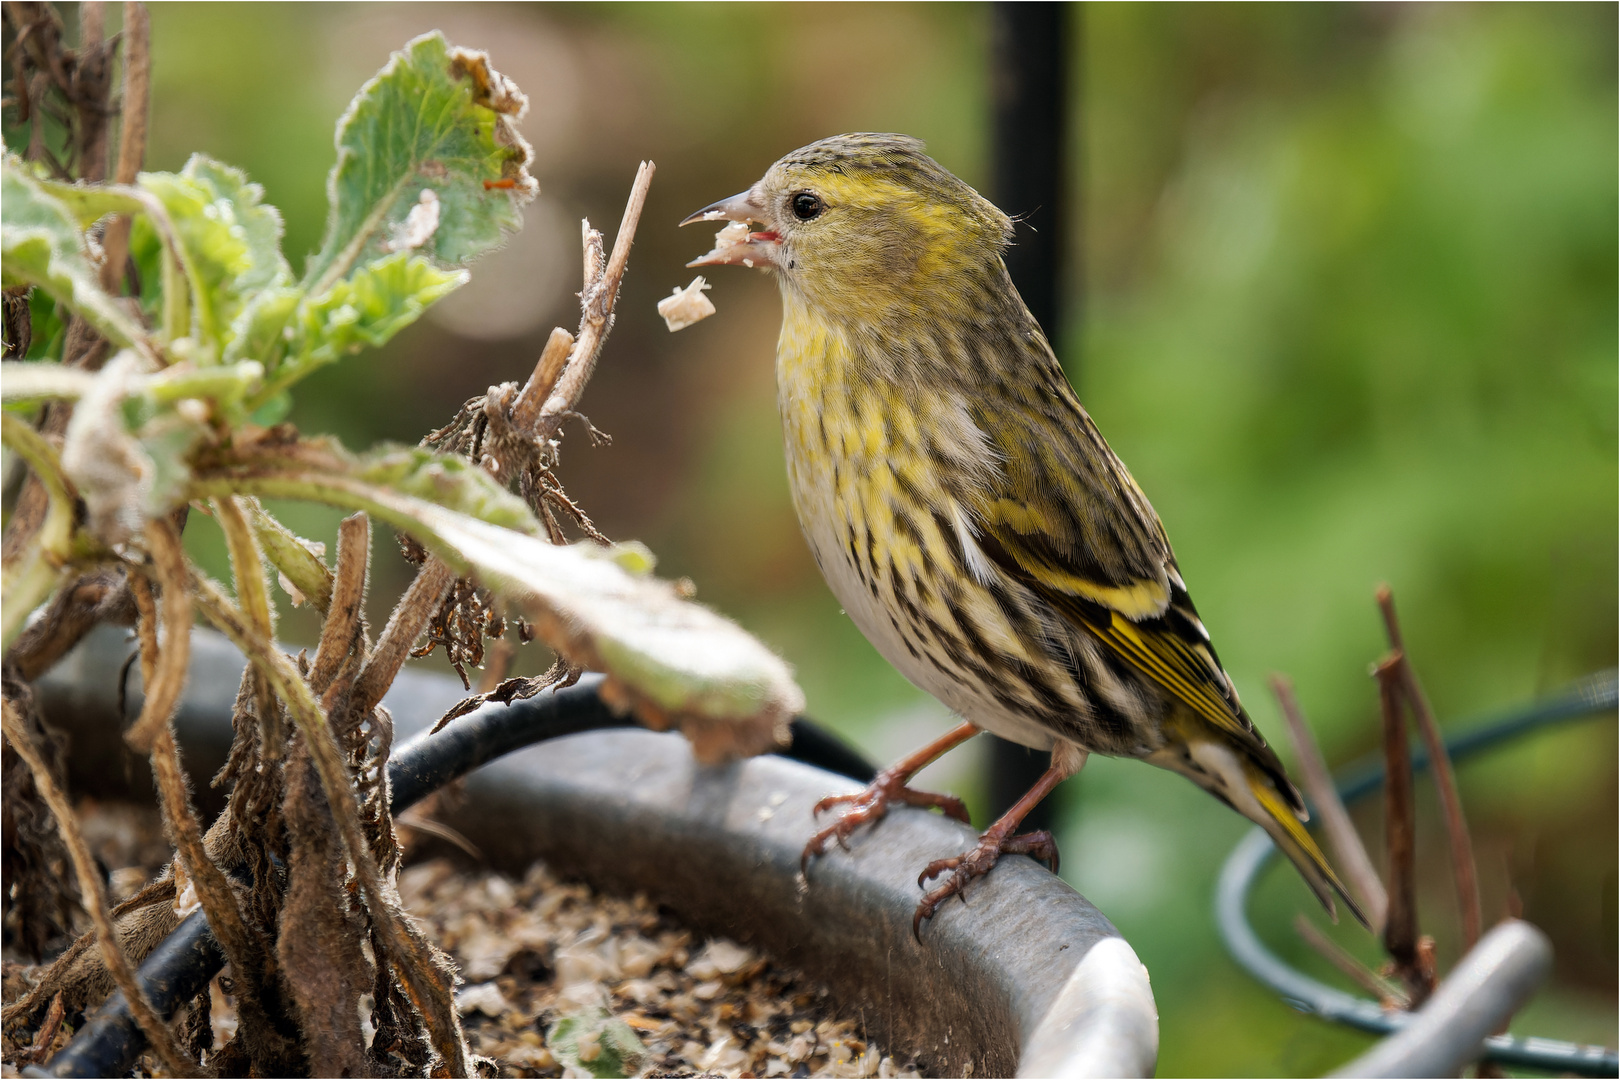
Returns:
point(181, 966)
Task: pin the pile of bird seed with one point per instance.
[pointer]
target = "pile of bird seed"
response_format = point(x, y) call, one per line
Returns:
point(560, 981)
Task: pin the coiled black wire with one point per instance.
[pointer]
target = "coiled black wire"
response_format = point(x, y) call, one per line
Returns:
point(1591, 696)
point(181, 966)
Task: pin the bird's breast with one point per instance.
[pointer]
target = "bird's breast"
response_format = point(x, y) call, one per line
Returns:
point(876, 473)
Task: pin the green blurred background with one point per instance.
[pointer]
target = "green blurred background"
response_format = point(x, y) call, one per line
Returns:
point(1349, 314)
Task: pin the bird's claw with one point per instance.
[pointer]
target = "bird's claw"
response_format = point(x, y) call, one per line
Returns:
point(975, 863)
point(870, 805)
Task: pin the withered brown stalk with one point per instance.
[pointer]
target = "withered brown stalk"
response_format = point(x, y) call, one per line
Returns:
point(1341, 831)
point(94, 892)
point(429, 993)
point(1400, 832)
point(1458, 840)
point(343, 626)
point(1386, 992)
point(133, 107)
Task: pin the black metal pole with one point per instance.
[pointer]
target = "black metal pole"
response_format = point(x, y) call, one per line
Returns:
point(1030, 88)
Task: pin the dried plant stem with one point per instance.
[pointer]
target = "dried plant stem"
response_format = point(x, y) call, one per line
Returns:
point(409, 618)
point(132, 136)
point(163, 672)
point(341, 631)
point(95, 898)
point(1461, 844)
point(1400, 831)
point(243, 947)
point(1341, 831)
point(547, 370)
point(597, 298)
point(92, 82)
point(431, 997)
point(1333, 953)
point(137, 91)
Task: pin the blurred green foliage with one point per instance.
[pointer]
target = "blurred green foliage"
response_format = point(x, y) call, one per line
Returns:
point(1344, 299)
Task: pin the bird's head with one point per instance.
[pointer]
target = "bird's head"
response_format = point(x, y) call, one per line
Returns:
point(863, 225)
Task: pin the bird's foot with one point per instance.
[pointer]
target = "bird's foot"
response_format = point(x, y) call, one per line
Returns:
point(869, 805)
point(976, 862)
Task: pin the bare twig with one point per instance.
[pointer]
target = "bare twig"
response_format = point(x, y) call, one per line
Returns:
point(246, 952)
point(1341, 831)
point(132, 136)
point(410, 616)
point(95, 898)
point(546, 372)
point(1400, 830)
point(92, 81)
point(1390, 995)
point(163, 671)
point(1461, 844)
point(343, 620)
point(137, 91)
point(430, 994)
point(47, 1030)
point(597, 298)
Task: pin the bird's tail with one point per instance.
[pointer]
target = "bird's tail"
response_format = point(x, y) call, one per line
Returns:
point(1267, 798)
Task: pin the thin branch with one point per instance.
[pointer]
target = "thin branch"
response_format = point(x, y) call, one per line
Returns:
point(1400, 831)
point(92, 82)
point(94, 892)
point(247, 566)
point(540, 385)
point(132, 136)
point(163, 672)
point(1341, 831)
point(1387, 992)
point(597, 299)
point(1461, 844)
point(409, 618)
point(343, 619)
point(137, 91)
point(245, 949)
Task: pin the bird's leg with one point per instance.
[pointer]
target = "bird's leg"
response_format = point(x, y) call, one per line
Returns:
point(999, 839)
point(889, 785)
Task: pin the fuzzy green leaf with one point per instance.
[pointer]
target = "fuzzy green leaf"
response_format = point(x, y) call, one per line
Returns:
point(676, 663)
point(435, 119)
point(230, 243)
point(42, 244)
point(379, 300)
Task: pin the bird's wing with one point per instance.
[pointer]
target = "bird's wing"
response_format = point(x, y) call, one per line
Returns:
point(1062, 515)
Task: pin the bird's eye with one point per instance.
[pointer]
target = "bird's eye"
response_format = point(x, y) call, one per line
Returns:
point(806, 206)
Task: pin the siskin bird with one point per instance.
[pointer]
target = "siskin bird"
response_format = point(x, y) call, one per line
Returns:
point(965, 509)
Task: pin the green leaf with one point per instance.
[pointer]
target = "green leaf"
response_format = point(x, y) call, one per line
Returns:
point(378, 301)
point(46, 332)
point(42, 244)
point(438, 119)
point(304, 575)
point(448, 480)
point(259, 331)
point(597, 1042)
point(230, 242)
point(676, 663)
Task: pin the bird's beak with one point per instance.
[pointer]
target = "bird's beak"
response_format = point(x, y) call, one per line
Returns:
point(755, 249)
point(740, 207)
